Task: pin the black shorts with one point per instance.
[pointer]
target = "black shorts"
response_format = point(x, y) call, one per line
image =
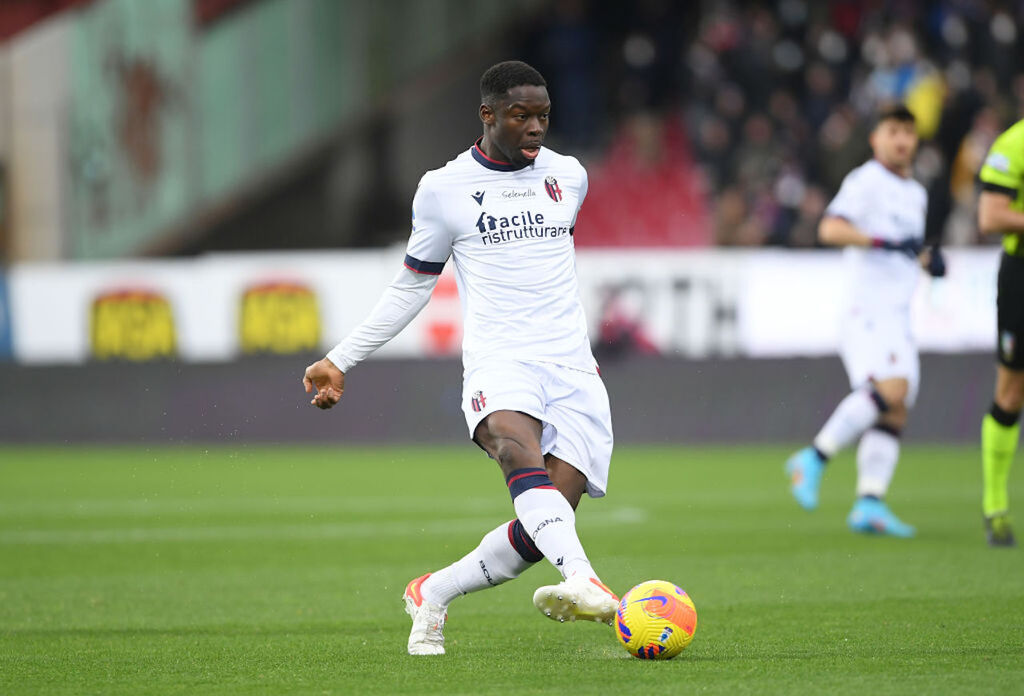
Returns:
point(1010, 312)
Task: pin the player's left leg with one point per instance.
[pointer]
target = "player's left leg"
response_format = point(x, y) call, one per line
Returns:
point(1000, 432)
point(877, 455)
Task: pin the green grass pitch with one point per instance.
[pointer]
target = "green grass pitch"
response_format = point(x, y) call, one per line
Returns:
point(279, 570)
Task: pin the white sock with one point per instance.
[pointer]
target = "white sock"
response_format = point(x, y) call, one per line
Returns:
point(876, 461)
point(550, 521)
point(491, 563)
point(854, 414)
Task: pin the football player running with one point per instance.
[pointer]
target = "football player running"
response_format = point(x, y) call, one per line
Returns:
point(879, 217)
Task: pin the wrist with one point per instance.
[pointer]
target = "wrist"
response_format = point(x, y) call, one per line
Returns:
point(339, 360)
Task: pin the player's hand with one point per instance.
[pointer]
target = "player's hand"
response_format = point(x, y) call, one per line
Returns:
point(934, 262)
point(327, 380)
point(911, 246)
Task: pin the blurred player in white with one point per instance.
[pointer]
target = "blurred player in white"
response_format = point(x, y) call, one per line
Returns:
point(879, 217)
point(504, 210)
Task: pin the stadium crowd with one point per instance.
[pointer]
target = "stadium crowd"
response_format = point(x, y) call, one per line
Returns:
point(775, 100)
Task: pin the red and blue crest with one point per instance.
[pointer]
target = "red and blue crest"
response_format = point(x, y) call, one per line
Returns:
point(551, 186)
point(479, 402)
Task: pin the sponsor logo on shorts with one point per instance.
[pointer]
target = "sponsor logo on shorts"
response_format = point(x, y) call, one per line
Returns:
point(479, 402)
point(1008, 345)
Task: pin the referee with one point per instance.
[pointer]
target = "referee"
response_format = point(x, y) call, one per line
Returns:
point(1001, 211)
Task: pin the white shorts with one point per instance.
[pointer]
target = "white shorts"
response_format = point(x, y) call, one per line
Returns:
point(876, 346)
point(571, 404)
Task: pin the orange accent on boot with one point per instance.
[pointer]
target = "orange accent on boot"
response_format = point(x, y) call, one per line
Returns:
point(604, 587)
point(413, 589)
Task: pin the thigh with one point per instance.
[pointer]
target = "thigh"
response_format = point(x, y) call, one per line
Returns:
point(1010, 313)
point(1009, 389)
point(500, 386)
point(880, 347)
point(579, 415)
point(512, 439)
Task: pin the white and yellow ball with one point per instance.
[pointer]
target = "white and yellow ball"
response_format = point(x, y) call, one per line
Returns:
point(655, 620)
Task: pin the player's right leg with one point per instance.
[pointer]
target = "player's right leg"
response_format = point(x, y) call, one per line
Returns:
point(502, 555)
point(852, 417)
point(1000, 432)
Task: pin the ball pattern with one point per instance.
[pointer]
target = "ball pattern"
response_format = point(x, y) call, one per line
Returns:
point(655, 620)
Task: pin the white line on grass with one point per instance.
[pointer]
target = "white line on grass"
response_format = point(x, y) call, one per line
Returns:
point(313, 531)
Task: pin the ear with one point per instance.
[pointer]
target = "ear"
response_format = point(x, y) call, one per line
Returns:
point(487, 115)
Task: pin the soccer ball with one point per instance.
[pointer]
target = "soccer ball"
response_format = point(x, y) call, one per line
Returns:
point(655, 620)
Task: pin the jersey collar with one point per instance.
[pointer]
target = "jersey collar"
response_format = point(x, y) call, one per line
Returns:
point(494, 164)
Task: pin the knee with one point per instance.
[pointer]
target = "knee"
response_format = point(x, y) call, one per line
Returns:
point(509, 452)
point(895, 417)
point(893, 394)
point(1010, 394)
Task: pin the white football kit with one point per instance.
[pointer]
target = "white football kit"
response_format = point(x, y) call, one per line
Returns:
point(876, 340)
point(525, 346)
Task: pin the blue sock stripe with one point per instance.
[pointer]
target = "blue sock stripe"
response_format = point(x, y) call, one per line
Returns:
point(522, 480)
point(522, 542)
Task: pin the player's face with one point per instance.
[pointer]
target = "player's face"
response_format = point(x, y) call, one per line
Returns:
point(517, 124)
point(895, 143)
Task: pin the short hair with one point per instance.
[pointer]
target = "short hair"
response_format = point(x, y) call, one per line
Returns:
point(895, 112)
point(500, 78)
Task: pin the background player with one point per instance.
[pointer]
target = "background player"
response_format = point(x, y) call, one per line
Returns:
point(879, 216)
point(1001, 211)
point(505, 211)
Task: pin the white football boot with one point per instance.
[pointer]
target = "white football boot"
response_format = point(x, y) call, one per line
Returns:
point(577, 598)
point(427, 635)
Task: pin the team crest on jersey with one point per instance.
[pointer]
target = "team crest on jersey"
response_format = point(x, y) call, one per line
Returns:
point(551, 186)
point(478, 197)
point(479, 402)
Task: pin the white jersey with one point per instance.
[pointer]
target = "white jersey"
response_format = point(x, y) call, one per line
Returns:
point(509, 232)
point(887, 206)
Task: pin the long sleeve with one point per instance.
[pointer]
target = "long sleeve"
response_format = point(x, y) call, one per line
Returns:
point(428, 249)
point(408, 293)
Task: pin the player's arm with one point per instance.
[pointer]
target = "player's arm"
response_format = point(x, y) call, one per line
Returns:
point(407, 295)
point(838, 231)
point(995, 216)
point(1001, 176)
point(835, 230)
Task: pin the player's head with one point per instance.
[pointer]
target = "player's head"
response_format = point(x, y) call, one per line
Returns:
point(894, 137)
point(514, 107)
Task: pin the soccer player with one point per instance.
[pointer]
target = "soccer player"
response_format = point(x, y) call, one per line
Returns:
point(879, 216)
point(504, 210)
point(1001, 211)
